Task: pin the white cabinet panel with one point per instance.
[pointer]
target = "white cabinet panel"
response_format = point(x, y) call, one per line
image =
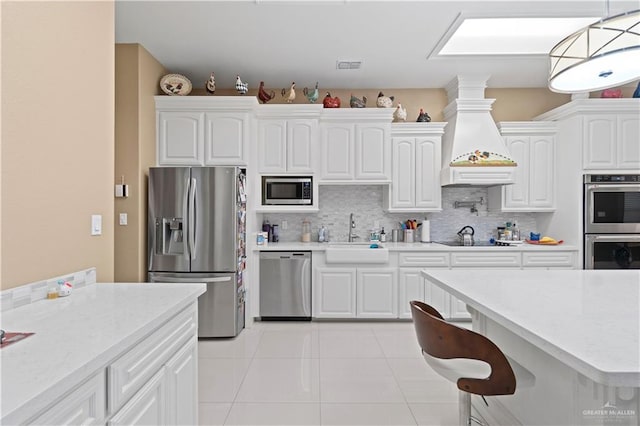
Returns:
point(85, 405)
point(599, 147)
point(301, 140)
point(541, 172)
point(372, 159)
point(628, 141)
point(517, 195)
point(410, 287)
point(428, 158)
point(334, 293)
point(377, 293)
point(286, 145)
point(337, 146)
point(548, 260)
point(147, 406)
point(180, 138)
point(421, 258)
point(485, 260)
point(404, 173)
point(272, 140)
point(226, 139)
point(458, 309)
point(182, 386)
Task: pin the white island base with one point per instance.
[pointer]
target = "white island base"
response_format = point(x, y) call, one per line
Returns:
point(577, 332)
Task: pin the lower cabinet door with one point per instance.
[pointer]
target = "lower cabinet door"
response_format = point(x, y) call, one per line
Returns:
point(334, 293)
point(147, 406)
point(377, 293)
point(182, 385)
point(410, 287)
point(459, 309)
point(85, 405)
point(438, 299)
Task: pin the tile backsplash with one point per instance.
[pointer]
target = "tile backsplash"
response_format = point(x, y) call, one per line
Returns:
point(365, 201)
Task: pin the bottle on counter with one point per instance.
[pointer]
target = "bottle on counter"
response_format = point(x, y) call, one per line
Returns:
point(515, 232)
point(306, 231)
point(507, 232)
point(275, 235)
point(266, 227)
point(322, 234)
point(383, 236)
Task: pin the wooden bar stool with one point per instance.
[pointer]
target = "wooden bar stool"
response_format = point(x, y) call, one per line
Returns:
point(466, 358)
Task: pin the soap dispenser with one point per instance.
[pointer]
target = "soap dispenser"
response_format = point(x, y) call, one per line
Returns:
point(322, 234)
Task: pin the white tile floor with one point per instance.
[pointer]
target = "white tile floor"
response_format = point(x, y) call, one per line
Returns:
point(322, 373)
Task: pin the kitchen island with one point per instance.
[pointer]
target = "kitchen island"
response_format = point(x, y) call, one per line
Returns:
point(106, 353)
point(576, 331)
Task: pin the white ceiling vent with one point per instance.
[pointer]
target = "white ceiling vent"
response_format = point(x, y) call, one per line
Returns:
point(348, 65)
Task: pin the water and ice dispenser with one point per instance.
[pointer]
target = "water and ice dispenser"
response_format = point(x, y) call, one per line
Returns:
point(169, 236)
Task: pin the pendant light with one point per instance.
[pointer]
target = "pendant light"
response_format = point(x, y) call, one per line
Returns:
point(604, 54)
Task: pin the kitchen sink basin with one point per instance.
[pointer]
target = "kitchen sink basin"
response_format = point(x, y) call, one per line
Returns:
point(355, 253)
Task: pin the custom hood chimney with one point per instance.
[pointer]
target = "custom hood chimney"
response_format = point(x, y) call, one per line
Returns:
point(474, 152)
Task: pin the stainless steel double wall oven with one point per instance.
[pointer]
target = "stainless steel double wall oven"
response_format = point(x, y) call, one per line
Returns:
point(612, 221)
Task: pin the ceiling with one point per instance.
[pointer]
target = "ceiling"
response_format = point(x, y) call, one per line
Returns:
point(284, 41)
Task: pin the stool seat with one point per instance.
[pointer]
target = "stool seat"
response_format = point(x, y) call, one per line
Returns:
point(454, 369)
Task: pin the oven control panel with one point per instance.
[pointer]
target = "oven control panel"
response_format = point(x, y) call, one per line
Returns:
point(612, 179)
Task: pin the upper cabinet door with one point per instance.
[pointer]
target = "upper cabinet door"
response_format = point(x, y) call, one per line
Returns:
point(427, 164)
point(628, 135)
point(403, 191)
point(301, 140)
point(180, 138)
point(517, 194)
point(600, 142)
point(226, 138)
point(542, 171)
point(372, 152)
point(272, 146)
point(337, 151)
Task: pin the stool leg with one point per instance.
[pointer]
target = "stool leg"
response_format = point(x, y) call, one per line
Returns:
point(464, 408)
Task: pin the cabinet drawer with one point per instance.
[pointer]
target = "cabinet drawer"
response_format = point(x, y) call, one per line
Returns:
point(85, 405)
point(134, 368)
point(424, 259)
point(549, 260)
point(485, 260)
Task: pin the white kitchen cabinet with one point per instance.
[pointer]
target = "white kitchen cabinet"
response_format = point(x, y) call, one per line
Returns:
point(182, 386)
point(146, 407)
point(376, 293)
point(549, 260)
point(410, 287)
point(355, 145)
point(611, 142)
point(287, 145)
point(532, 146)
point(85, 405)
point(334, 293)
point(180, 138)
point(226, 138)
point(485, 259)
point(416, 162)
point(203, 130)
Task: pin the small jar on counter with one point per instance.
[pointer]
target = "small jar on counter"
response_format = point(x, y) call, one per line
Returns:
point(306, 231)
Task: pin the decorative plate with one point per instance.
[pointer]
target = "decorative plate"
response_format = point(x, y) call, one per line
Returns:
point(175, 84)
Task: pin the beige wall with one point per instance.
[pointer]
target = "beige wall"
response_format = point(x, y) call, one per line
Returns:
point(57, 139)
point(137, 77)
point(510, 105)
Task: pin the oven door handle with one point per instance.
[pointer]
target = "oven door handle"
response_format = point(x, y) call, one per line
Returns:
point(628, 187)
point(619, 237)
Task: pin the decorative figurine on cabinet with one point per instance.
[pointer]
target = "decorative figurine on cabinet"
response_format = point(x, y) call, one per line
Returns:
point(401, 113)
point(291, 95)
point(384, 101)
point(357, 103)
point(263, 95)
point(329, 102)
point(312, 97)
point(241, 87)
point(423, 117)
point(210, 85)
point(611, 93)
point(636, 94)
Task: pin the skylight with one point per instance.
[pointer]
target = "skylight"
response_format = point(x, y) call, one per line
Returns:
point(511, 36)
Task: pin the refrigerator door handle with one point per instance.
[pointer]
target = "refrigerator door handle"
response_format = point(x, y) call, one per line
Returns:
point(192, 218)
point(190, 280)
point(185, 215)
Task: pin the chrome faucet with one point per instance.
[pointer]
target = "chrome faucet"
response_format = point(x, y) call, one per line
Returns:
point(352, 226)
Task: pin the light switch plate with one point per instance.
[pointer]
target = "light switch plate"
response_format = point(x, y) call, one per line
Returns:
point(96, 224)
point(123, 218)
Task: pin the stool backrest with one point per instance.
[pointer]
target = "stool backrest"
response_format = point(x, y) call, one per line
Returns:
point(444, 340)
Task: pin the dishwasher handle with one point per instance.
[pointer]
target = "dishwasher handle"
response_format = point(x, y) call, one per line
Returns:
point(278, 255)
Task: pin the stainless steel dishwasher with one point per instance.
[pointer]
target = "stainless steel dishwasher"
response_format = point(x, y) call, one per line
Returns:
point(285, 285)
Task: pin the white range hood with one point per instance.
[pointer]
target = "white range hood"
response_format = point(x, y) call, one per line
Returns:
point(474, 152)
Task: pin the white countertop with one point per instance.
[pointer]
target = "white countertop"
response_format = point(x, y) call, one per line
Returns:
point(315, 246)
point(75, 336)
point(587, 319)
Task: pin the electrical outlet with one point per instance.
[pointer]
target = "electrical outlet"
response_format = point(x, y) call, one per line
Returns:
point(285, 225)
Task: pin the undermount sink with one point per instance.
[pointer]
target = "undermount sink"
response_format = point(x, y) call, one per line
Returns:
point(357, 252)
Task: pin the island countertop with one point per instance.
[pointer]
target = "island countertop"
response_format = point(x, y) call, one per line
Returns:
point(587, 319)
point(77, 335)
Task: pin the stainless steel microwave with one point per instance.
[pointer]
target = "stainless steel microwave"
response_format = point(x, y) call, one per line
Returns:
point(287, 190)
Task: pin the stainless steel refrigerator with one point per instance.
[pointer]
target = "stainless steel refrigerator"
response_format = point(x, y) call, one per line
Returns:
point(196, 227)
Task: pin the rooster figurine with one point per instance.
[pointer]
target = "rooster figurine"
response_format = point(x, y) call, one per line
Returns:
point(263, 95)
point(311, 96)
point(291, 95)
point(357, 103)
point(210, 85)
point(241, 87)
point(401, 113)
point(384, 101)
point(329, 102)
point(423, 117)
